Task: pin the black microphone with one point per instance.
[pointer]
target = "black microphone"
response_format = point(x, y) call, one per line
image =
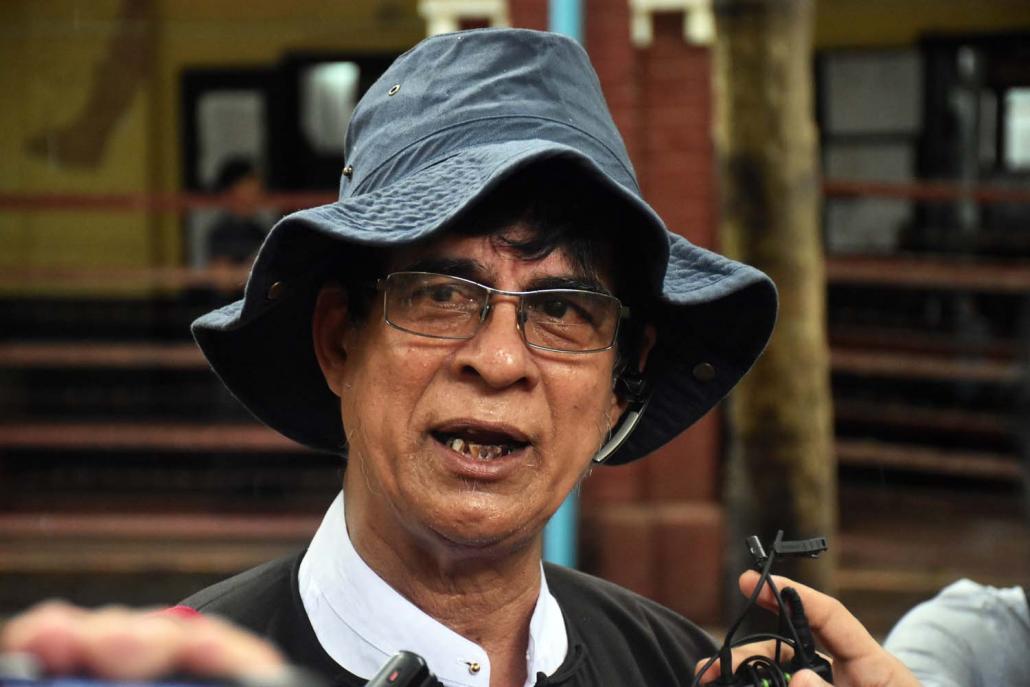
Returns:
point(406, 669)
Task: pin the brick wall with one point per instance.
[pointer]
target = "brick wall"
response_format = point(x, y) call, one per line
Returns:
point(528, 14)
point(656, 526)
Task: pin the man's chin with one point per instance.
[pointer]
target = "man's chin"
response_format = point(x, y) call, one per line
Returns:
point(489, 540)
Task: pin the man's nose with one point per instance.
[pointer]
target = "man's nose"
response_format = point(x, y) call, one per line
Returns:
point(497, 353)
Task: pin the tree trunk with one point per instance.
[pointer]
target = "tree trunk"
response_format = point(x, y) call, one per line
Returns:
point(782, 471)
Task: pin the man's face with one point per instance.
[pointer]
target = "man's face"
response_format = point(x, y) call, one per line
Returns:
point(406, 399)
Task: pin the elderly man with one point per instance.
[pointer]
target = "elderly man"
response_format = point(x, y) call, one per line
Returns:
point(486, 312)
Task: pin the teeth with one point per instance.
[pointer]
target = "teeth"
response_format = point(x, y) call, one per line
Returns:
point(488, 451)
point(478, 451)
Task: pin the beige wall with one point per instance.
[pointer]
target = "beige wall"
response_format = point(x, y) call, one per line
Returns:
point(887, 23)
point(47, 60)
point(53, 56)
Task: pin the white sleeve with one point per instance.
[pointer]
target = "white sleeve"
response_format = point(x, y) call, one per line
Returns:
point(969, 635)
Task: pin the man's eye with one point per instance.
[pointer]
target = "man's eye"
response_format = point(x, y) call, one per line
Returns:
point(442, 294)
point(566, 310)
point(555, 307)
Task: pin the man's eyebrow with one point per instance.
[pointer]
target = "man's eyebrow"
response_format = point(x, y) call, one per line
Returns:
point(455, 267)
point(582, 283)
point(472, 269)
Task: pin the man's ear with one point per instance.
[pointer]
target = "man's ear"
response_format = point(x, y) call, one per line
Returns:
point(622, 399)
point(648, 337)
point(329, 327)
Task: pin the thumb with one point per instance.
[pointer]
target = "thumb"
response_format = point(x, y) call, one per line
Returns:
point(807, 678)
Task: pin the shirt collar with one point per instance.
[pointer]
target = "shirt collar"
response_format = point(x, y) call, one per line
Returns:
point(361, 621)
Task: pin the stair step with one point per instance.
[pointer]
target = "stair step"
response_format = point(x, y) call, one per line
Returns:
point(908, 416)
point(917, 458)
point(923, 366)
point(178, 437)
point(930, 272)
point(184, 355)
point(51, 543)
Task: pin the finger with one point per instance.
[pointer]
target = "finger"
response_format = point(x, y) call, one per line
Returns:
point(744, 652)
point(840, 632)
point(807, 678)
point(217, 648)
point(710, 674)
point(128, 645)
point(51, 631)
point(121, 644)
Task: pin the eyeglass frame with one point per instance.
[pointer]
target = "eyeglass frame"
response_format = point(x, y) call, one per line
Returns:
point(623, 313)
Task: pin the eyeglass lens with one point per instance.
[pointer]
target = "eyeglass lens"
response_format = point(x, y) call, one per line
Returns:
point(448, 307)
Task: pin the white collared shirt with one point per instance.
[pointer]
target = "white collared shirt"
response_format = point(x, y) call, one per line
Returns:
point(361, 621)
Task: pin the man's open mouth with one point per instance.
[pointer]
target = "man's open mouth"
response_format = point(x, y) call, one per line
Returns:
point(479, 444)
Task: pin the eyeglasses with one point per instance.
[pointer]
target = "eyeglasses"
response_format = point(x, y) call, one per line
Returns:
point(445, 307)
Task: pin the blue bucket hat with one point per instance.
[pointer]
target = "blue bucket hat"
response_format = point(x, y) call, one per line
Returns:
point(445, 125)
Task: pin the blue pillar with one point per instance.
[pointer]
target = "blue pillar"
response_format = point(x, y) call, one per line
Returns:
point(564, 16)
point(560, 533)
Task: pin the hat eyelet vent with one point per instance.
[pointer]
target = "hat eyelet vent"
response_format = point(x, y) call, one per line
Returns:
point(393, 89)
point(703, 372)
point(275, 291)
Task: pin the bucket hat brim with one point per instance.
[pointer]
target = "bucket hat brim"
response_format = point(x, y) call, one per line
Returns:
point(713, 315)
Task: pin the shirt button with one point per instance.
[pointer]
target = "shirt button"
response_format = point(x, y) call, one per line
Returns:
point(474, 667)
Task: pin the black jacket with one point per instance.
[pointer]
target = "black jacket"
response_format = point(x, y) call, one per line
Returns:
point(616, 637)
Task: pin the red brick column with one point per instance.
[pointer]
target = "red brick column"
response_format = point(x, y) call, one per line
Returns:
point(678, 165)
point(528, 14)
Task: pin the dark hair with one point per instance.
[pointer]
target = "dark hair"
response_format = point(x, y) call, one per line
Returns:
point(232, 171)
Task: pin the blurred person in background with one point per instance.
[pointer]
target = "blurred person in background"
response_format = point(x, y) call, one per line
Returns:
point(969, 635)
point(237, 232)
